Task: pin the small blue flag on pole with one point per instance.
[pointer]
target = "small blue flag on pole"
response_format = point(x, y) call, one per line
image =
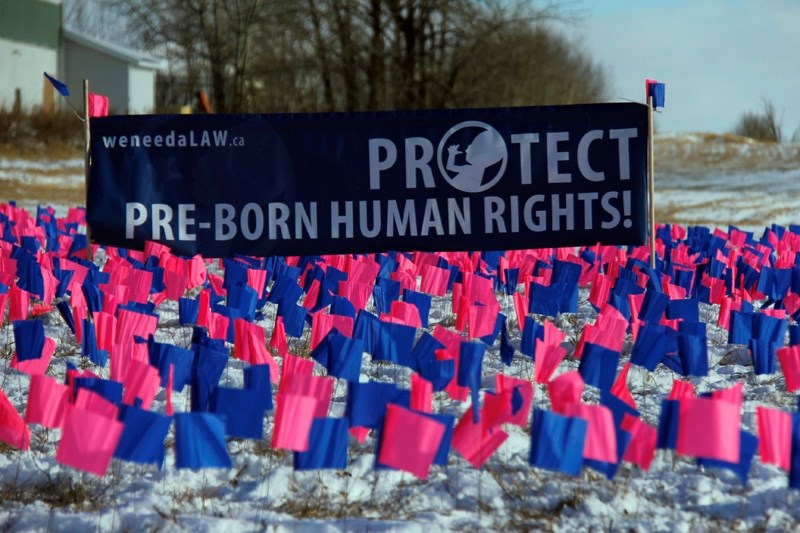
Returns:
point(200, 441)
point(748, 446)
point(557, 442)
point(142, 439)
point(60, 87)
point(655, 90)
point(29, 339)
point(327, 446)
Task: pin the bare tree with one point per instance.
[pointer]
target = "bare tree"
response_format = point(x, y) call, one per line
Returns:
point(351, 55)
point(761, 126)
point(211, 39)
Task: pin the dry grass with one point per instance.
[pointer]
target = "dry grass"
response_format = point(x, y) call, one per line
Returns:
point(711, 151)
point(89, 494)
point(42, 194)
point(40, 135)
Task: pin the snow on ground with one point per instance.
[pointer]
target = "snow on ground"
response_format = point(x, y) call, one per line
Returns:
point(263, 492)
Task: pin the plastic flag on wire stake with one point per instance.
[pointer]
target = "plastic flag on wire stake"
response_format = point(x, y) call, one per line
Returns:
point(98, 104)
point(655, 90)
point(59, 86)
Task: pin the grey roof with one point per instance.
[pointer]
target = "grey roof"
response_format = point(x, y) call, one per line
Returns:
point(133, 57)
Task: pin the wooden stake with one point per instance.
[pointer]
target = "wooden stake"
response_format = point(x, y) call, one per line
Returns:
point(651, 215)
point(87, 138)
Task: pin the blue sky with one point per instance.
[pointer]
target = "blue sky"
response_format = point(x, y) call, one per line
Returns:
point(718, 58)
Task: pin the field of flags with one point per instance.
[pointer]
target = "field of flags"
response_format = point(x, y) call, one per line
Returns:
point(302, 327)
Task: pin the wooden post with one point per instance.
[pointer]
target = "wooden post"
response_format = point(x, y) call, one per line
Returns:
point(651, 211)
point(87, 138)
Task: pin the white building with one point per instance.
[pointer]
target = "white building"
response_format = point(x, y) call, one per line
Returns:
point(29, 44)
point(127, 77)
point(33, 40)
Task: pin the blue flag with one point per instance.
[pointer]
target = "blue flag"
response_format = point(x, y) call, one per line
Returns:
point(60, 87)
point(327, 446)
point(142, 439)
point(200, 441)
point(557, 442)
point(747, 449)
point(598, 366)
point(29, 339)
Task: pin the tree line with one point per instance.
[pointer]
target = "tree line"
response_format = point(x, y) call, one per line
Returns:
point(356, 55)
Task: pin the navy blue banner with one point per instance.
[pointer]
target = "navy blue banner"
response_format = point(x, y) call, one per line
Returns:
point(308, 184)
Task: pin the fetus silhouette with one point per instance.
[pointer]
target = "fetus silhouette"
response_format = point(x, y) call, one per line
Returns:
point(486, 149)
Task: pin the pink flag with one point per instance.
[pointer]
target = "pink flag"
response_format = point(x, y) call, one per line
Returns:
point(434, 280)
point(608, 331)
point(564, 390)
point(130, 324)
point(318, 387)
point(410, 441)
point(312, 294)
point(733, 394)
point(421, 394)
point(106, 330)
point(452, 342)
point(681, 390)
point(405, 313)
point(553, 335)
point(789, 357)
point(170, 385)
point(620, 387)
point(138, 283)
point(13, 430)
point(362, 269)
point(278, 340)
point(250, 345)
point(357, 293)
point(475, 441)
point(98, 105)
point(521, 308)
point(601, 437)
point(88, 441)
point(91, 401)
point(600, 291)
point(47, 400)
point(323, 323)
point(709, 428)
point(204, 307)
point(217, 284)
point(50, 283)
point(481, 290)
point(18, 302)
point(791, 303)
point(775, 436)
point(36, 366)
point(113, 296)
point(642, 447)
point(256, 279)
point(546, 361)
point(120, 358)
point(218, 326)
point(292, 365)
point(79, 313)
point(725, 307)
point(176, 284)
point(481, 320)
point(141, 381)
point(507, 384)
point(496, 409)
point(294, 414)
point(359, 433)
